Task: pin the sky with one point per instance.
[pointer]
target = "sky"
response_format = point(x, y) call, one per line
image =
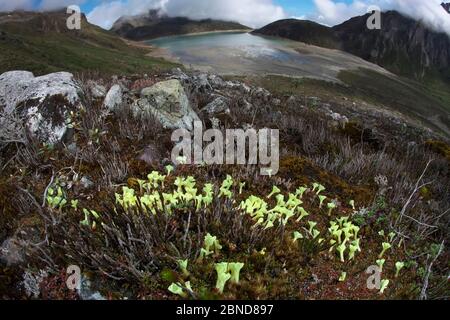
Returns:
point(253, 13)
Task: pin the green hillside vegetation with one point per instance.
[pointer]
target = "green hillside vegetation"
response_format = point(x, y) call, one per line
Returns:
point(43, 45)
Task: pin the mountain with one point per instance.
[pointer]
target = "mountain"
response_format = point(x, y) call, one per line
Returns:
point(301, 30)
point(446, 6)
point(403, 45)
point(42, 43)
point(155, 24)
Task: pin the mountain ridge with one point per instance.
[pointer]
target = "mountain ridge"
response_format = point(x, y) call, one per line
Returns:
point(155, 24)
point(403, 45)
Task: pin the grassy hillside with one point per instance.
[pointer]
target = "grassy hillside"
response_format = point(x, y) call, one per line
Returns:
point(41, 43)
point(427, 103)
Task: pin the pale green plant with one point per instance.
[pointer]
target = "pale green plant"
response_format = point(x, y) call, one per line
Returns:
point(398, 267)
point(55, 198)
point(275, 191)
point(183, 264)
point(386, 246)
point(169, 169)
point(303, 213)
point(222, 276)
point(341, 249)
point(343, 277)
point(225, 189)
point(321, 200)
point(383, 285)
point(176, 288)
point(211, 245)
point(352, 204)
point(297, 236)
point(301, 191)
point(380, 264)
point(235, 269)
point(331, 206)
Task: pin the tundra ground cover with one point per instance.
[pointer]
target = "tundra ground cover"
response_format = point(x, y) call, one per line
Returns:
point(152, 230)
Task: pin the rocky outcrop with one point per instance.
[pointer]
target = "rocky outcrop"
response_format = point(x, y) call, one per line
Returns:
point(44, 103)
point(168, 103)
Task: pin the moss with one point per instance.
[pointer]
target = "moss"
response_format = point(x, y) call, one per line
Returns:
point(439, 147)
point(302, 171)
point(357, 133)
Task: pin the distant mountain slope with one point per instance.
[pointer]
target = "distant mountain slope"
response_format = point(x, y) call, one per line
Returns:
point(403, 45)
point(301, 30)
point(154, 25)
point(41, 43)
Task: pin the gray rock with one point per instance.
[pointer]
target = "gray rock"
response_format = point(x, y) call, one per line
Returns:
point(97, 90)
point(44, 103)
point(168, 103)
point(114, 98)
point(31, 282)
point(11, 252)
point(216, 81)
point(261, 94)
point(86, 183)
point(201, 83)
point(218, 105)
point(86, 293)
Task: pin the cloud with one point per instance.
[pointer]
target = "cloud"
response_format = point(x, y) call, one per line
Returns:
point(58, 4)
point(254, 13)
point(332, 12)
point(8, 5)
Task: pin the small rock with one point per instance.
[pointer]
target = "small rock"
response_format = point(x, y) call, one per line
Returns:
point(11, 252)
point(86, 183)
point(114, 98)
point(98, 91)
point(218, 105)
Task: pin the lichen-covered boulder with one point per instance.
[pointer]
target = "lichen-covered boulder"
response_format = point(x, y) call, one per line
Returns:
point(168, 103)
point(44, 103)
